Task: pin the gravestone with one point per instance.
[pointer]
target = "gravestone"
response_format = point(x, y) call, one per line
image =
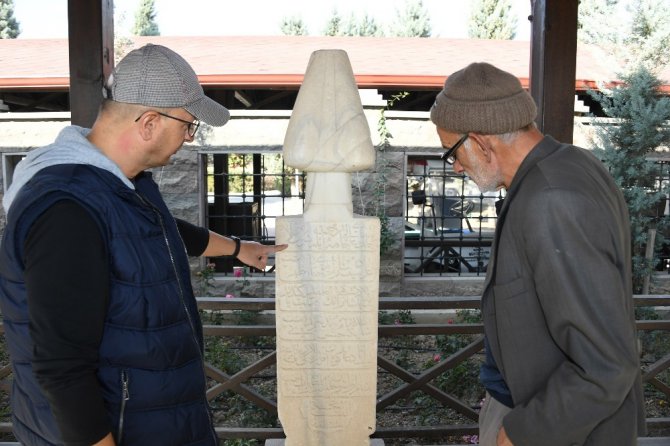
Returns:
point(327, 280)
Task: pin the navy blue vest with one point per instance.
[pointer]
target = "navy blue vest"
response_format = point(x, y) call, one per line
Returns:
point(151, 355)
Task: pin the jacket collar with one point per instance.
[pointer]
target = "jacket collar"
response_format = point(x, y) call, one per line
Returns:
point(542, 150)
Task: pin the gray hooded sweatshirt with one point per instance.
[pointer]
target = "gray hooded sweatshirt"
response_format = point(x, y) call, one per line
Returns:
point(70, 147)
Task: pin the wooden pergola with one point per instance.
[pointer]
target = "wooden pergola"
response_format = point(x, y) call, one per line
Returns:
point(552, 60)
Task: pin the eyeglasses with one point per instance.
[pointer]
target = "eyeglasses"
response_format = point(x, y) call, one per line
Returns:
point(192, 126)
point(449, 156)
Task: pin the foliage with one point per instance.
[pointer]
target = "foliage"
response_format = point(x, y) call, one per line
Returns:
point(275, 175)
point(640, 114)
point(636, 32)
point(145, 19)
point(365, 26)
point(293, 26)
point(595, 21)
point(492, 19)
point(648, 42)
point(205, 279)
point(353, 26)
point(400, 317)
point(655, 343)
point(9, 26)
point(462, 380)
point(334, 26)
point(413, 21)
point(221, 353)
point(379, 192)
point(240, 442)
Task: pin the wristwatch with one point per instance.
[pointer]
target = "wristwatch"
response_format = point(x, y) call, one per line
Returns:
point(238, 243)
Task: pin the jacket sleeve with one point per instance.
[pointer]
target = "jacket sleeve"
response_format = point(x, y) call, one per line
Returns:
point(67, 280)
point(577, 247)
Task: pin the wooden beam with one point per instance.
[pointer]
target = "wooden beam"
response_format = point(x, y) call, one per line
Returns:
point(553, 65)
point(91, 45)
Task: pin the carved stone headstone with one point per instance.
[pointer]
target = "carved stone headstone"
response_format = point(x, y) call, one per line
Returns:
point(328, 278)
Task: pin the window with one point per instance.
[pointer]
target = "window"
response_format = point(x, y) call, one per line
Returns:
point(449, 224)
point(9, 162)
point(246, 192)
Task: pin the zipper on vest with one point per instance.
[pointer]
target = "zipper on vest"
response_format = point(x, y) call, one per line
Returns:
point(125, 396)
point(183, 302)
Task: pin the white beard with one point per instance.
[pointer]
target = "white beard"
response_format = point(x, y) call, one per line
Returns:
point(487, 179)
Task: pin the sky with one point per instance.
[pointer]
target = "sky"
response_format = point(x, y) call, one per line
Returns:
point(448, 18)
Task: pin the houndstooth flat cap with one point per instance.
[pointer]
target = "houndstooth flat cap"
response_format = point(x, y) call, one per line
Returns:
point(156, 76)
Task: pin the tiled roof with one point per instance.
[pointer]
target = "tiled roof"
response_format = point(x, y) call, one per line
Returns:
point(276, 61)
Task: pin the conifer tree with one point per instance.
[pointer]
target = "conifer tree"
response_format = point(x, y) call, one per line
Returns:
point(492, 19)
point(413, 21)
point(649, 38)
point(293, 26)
point(145, 20)
point(639, 114)
point(366, 26)
point(9, 26)
point(596, 22)
point(334, 25)
point(353, 26)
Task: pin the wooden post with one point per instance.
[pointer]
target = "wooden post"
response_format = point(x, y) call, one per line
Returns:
point(91, 46)
point(553, 50)
point(649, 255)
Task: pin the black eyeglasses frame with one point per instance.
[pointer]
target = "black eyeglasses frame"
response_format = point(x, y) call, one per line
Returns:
point(449, 156)
point(192, 125)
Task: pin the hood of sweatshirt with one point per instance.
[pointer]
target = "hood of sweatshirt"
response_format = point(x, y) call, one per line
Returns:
point(70, 147)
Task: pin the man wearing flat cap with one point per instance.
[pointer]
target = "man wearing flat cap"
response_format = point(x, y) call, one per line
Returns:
point(562, 364)
point(100, 319)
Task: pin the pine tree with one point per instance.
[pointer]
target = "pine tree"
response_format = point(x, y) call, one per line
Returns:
point(492, 19)
point(596, 22)
point(334, 25)
point(9, 26)
point(639, 113)
point(145, 20)
point(367, 26)
point(353, 26)
point(293, 26)
point(413, 21)
point(649, 39)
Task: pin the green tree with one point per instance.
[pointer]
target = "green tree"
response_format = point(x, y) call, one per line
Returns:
point(364, 26)
point(492, 19)
point(649, 40)
point(596, 22)
point(9, 26)
point(293, 26)
point(334, 25)
point(413, 21)
point(353, 26)
point(145, 20)
point(639, 114)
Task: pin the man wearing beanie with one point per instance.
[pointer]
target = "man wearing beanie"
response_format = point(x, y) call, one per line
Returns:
point(562, 363)
point(100, 319)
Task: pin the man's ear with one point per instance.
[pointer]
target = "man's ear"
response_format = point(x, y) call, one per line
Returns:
point(147, 125)
point(484, 143)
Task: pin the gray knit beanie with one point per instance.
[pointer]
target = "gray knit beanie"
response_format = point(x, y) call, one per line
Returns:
point(483, 99)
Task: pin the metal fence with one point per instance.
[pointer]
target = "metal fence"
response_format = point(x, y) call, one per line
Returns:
point(449, 223)
point(245, 193)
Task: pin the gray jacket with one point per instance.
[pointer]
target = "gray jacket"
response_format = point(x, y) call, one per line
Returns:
point(557, 304)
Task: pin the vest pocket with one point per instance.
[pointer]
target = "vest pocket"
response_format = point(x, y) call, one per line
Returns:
point(125, 396)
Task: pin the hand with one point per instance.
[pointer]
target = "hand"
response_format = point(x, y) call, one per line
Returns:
point(503, 439)
point(256, 255)
point(107, 441)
